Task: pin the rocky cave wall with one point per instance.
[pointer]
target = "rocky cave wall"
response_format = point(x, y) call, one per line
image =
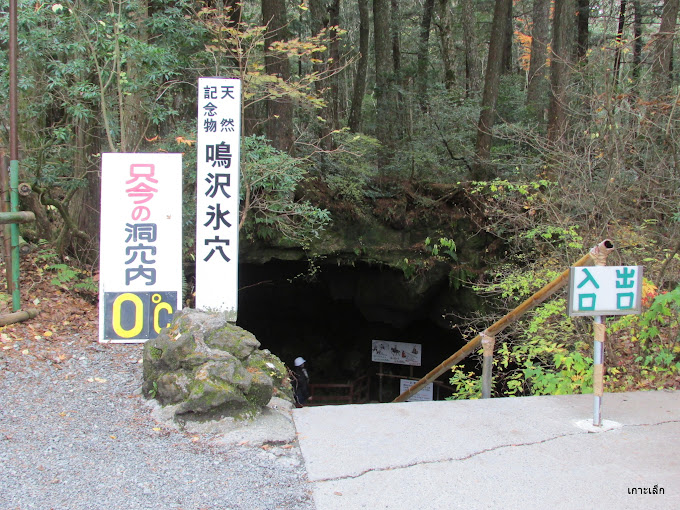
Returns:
point(364, 279)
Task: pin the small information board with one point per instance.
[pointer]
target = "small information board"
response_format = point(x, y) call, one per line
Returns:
point(424, 395)
point(399, 353)
point(605, 290)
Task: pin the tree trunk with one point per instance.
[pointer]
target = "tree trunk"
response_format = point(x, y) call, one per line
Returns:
point(559, 69)
point(334, 11)
point(537, 85)
point(662, 49)
point(279, 126)
point(85, 205)
point(423, 53)
point(481, 170)
point(637, 41)
point(472, 72)
point(619, 42)
point(507, 42)
point(362, 66)
point(319, 20)
point(582, 29)
point(383, 73)
point(447, 42)
point(134, 121)
point(395, 95)
point(394, 28)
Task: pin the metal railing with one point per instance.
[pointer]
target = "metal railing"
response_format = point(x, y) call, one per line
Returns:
point(355, 392)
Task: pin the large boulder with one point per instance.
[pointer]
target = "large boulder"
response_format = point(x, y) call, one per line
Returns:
point(207, 368)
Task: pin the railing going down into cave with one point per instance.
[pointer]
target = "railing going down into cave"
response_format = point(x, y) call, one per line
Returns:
point(355, 392)
point(486, 337)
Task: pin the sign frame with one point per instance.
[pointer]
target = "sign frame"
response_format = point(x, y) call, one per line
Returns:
point(600, 284)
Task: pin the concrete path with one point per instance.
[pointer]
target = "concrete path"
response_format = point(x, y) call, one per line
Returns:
point(523, 453)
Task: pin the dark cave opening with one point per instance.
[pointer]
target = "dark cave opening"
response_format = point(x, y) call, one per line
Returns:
point(330, 314)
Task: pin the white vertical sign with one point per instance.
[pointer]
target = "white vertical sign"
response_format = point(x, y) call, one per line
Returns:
point(217, 194)
point(140, 261)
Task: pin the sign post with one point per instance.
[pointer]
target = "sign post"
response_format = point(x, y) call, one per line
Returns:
point(600, 291)
point(398, 353)
point(217, 194)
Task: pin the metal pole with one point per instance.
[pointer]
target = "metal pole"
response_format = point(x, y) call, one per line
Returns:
point(598, 369)
point(13, 108)
point(14, 151)
point(487, 368)
point(599, 331)
point(6, 233)
point(16, 217)
point(14, 199)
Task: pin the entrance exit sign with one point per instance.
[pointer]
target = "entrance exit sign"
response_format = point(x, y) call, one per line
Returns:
point(605, 290)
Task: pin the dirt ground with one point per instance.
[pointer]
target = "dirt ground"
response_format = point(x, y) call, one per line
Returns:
point(66, 316)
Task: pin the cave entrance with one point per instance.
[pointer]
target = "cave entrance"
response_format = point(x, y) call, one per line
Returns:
point(330, 314)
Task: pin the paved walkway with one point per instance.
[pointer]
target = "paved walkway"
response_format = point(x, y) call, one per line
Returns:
point(532, 452)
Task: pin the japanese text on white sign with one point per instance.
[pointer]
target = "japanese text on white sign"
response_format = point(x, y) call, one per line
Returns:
point(140, 281)
point(426, 394)
point(217, 194)
point(605, 290)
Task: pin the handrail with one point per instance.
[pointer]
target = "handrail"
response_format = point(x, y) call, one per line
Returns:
point(535, 300)
point(358, 392)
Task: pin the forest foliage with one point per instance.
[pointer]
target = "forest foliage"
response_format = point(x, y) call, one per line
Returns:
point(560, 126)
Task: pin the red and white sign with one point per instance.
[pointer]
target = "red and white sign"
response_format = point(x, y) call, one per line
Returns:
point(140, 275)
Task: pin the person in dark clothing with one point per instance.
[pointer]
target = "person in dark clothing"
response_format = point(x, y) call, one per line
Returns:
point(301, 382)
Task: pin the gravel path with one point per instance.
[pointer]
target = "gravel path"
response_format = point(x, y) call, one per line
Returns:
point(76, 434)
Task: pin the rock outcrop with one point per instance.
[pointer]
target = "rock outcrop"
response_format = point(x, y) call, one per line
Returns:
point(207, 368)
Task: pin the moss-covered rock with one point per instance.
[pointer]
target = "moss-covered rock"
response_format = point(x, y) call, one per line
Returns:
point(208, 368)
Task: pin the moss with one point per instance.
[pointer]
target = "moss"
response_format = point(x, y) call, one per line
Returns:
point(155, 353)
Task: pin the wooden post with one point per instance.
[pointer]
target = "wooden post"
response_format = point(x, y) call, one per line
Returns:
point(19, 316)
point(487, 368)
